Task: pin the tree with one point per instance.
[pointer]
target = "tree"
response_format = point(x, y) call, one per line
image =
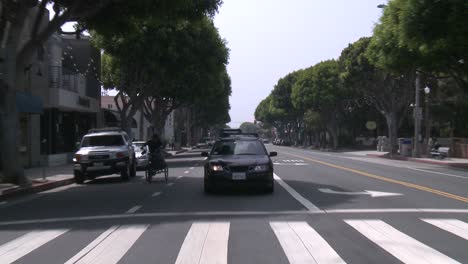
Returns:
point(433, 32)
point(21, 45)
point(249, 127)
point(391, 94)
point(320, 89)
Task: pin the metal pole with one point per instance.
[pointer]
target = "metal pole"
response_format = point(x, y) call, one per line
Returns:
point(417, 117)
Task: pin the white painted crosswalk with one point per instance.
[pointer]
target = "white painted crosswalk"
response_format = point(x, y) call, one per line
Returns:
point(208, 242)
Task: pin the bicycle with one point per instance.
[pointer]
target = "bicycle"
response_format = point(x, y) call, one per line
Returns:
point(156, 166)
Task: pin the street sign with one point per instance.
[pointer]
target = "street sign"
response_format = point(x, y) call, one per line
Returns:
point(417, 113)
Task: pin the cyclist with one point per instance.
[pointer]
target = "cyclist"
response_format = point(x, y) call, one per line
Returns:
point(154, 145)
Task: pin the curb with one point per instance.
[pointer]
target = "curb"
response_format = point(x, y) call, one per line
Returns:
point(35, 188)
point(452, 165)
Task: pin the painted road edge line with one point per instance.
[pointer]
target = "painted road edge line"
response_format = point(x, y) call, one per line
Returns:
point(156, 194)
point(306, 203)
point(378, 177)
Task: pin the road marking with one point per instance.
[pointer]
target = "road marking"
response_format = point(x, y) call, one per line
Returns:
point(365, 192)
point(2, 203)
point(18, 248)
point(294, 164)
point(186, 172)
point(306, 203)
point(232, 213)
point(63, 188)
point(170, 184)
point(110, 246)
point(374, 176)
point(302, 244)
point(453, 226)
point(180, 177)
point(156, 194)
point(441, 173)
point(192, 168)
point(133, 209)
point(205, 243)
point(400, 245)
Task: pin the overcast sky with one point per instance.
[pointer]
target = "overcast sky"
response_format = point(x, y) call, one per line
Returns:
point(270, 38)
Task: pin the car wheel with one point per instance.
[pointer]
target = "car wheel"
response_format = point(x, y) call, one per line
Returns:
point(124, 174)
point(133, 169)
point(79, 177)
point(207, 187)
point(270, 189)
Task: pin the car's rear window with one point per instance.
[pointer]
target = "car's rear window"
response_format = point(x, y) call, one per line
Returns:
point(108, 140)
point(238, 147)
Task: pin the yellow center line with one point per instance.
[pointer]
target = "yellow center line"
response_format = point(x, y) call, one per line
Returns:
point(374, 176)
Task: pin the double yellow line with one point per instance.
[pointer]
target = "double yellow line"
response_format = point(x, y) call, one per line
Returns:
point(370, 175)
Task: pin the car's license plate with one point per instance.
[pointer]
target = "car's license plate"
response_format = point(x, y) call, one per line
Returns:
point(98, 164)
point(238, 176)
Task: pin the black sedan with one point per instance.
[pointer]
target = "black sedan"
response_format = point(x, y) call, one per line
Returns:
point(239, 161)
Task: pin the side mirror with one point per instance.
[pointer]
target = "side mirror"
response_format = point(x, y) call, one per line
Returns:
point(77, 145)
point(273, 154)
point(204, 154)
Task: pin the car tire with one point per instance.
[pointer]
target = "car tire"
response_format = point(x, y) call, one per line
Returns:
point(270, 189)
point(208, 188)
point(133, 169)
point(125, 173)
point(79, 177)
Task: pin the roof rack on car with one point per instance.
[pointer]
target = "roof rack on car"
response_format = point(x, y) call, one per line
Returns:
point(106, 129)
point(228, 132)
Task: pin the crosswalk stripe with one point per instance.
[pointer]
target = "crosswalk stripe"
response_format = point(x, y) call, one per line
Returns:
point(205, 243)
point(453, 226)
point(25, 244)
point(110, 246)
point(400, 245)
point(302, 244)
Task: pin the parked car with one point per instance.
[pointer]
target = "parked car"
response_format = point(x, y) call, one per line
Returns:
point(238, 160)
point(104, 152)
point(141, 155)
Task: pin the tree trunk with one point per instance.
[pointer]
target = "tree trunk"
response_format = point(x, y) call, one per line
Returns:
point(392, 125)
point(9, 125)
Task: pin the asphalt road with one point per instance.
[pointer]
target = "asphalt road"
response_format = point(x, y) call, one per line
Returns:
point(326, 208)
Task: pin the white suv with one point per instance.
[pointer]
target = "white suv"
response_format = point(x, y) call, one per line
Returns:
point(103, 152)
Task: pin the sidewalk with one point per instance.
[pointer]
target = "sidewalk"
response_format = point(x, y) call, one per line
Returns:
point(54, 177)
point(448, 162)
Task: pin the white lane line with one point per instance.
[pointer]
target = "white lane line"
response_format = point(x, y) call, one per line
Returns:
point(400, 245)
point(306, 203)
point(92, 245)
point(441, 173)
point(186, 172)
point(192, 168)
point(170, 184)
point(230, 213)
point(111, 246)
point(205, 243)
point(454, 226)
point(179, 177)
point(302, 244)
point(156, 194)
point(133, 209)
point(2, 203)
point(17, 248)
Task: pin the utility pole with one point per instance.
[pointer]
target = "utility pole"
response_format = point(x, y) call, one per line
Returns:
point(417, 117)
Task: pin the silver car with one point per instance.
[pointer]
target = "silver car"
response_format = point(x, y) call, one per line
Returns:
point(141, 155)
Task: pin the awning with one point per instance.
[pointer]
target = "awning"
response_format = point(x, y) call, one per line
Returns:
point(27, 103)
